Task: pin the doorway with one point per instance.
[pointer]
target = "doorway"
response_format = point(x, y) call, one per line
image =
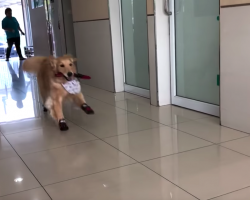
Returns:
point(135, 46)
point(17, 10)
point(195, 57)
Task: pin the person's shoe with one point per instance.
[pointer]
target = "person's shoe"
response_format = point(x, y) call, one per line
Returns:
point(7, 59)
point(22, 58)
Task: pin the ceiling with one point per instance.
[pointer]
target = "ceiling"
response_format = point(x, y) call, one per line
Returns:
point(6, 3)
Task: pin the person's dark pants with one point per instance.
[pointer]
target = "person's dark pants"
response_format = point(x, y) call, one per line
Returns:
point(10, 42)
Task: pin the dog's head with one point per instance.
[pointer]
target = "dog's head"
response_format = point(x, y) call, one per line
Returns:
point(64, 65)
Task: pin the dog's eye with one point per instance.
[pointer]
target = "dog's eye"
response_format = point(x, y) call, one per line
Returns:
point(70, 64)
point(61, 65)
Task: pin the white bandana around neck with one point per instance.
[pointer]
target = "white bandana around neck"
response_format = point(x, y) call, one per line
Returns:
point(72, 87)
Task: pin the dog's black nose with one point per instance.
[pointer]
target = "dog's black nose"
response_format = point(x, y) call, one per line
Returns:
point(70, 74)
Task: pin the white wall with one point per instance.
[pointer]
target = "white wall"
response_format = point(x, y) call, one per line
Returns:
point(93, 42)
point(94, 54)
point(235, 70)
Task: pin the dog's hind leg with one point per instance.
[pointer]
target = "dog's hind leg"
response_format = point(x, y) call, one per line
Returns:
point(80, 101)
point(57, 113)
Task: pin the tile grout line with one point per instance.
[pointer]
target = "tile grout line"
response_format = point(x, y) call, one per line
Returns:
point(129, 132)
point(212, 143)
point(28, 168)
point(235, 151)
point(178, 153)
point(229, 193)
point(24, 154)
point(82, 176)
point(13, 133)
point(170, 181)
point(164, 125)
point(234, 139)
point(144, 116)
point(20, 192)
point(138, 162)
point(208, 140)
point(169, 125)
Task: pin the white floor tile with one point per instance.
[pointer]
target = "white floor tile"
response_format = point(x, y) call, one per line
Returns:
point(106, 96)
point(74, 161)
point(48, 138)
point(207, 172)
point(15, 176)
point(114, 125)
point(166, 114)
point(154, 143)
point(243, 194)
point(210, 130)
point(6, 150)
point(240, 145)
point(35, 194)
point(26, 125)
point(133, 182)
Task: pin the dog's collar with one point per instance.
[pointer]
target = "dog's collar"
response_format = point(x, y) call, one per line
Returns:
point(81, 76)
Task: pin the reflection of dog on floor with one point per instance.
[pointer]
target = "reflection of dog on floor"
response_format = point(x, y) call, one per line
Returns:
point(55, 89)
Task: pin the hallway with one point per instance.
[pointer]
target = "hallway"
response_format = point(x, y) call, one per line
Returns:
point(128, 150)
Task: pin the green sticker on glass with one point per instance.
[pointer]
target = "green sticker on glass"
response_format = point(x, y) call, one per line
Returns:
point(218, 18)
point(218, 80)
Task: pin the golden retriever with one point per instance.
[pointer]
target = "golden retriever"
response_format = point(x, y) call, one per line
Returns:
point(55, 89)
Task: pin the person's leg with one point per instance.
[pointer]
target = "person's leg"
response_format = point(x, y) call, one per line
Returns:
point(10, 44)
point(18, 49)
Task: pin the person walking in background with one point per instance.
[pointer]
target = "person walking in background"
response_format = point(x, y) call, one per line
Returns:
point(12, 28)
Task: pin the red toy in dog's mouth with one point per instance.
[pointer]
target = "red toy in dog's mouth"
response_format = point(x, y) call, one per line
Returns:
point(81, 76)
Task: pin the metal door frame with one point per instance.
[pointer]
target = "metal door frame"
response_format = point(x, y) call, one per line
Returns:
point(177, 100)
point(130, 88)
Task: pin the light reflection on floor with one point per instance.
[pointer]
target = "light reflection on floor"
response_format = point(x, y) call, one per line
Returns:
point(17, 92)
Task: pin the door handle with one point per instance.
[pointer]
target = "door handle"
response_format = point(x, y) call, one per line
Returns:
point(167, 11)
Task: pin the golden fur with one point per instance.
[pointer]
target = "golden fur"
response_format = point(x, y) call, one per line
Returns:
point(51, 90)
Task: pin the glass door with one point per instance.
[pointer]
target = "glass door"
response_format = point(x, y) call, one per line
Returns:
point(195, 58)
point(135, 46)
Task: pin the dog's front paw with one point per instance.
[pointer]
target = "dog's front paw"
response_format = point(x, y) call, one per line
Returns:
point(87, 109)
point(62, 125)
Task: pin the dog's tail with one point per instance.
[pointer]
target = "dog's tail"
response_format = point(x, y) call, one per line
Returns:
point(33, 64)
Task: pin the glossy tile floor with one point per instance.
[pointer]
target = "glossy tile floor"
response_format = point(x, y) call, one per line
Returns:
point(128, 150)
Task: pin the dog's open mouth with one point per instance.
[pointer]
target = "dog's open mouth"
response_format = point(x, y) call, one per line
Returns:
point(68, 78)
point(65, 76)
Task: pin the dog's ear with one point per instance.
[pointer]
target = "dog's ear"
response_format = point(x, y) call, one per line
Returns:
point(52, 61)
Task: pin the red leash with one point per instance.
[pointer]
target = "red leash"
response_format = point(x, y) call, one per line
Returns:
point(81, 76)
